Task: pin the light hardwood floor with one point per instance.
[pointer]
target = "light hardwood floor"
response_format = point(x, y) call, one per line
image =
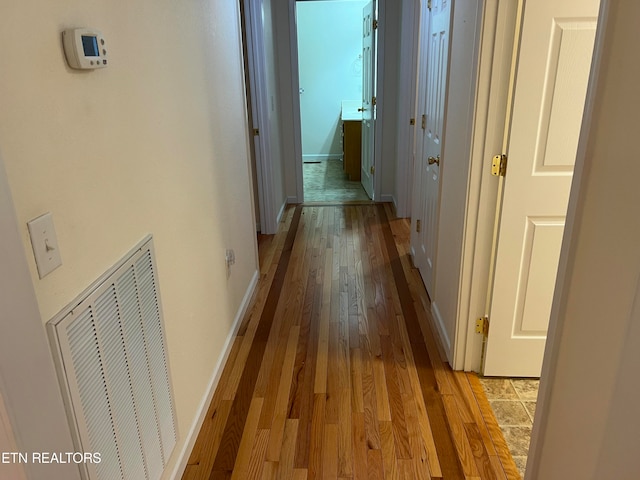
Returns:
point(335, 372)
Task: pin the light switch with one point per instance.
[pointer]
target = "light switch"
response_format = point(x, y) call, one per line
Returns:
point(45, 244)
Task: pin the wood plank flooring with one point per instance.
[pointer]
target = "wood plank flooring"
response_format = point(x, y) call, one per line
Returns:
point(335, 372)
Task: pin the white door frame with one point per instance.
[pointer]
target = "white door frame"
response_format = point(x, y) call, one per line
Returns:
point(479, 120)
point(295, 87)
point(256, 73)
point(407, 105)
point(28, 380)
point(492, 102)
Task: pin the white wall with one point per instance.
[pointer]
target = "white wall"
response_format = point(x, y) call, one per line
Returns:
point(13, 470)
point(31, 409)
point(330, 70)
point(155, 143)
point(587, 420)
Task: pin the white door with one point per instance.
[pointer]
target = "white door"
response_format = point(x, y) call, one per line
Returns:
point(419, 165)
point(432, 122)
point(368, 93)
point(551, 81)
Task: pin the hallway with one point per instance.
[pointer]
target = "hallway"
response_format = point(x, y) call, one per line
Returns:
point(335, 372)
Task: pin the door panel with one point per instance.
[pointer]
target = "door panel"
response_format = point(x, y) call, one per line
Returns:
point(554, 60)
point(368, 92)
point(435, 85)
point(419, 164)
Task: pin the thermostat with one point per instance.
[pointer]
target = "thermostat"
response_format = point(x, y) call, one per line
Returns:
point(84, 48)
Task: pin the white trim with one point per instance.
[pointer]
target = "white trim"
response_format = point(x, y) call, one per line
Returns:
point(379, 93)
point(192, 436)
point(495, 57)
point(292, 200)
point(461, 119)
point(442, 331)
point(259, 108)
point(281, 212)
point(321, 157)
point(295, 104)
point(387, 198)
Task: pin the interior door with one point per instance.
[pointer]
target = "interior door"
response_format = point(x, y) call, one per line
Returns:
point(418, 253)
point(368, 94)
point(432, 122)
point(553, 67)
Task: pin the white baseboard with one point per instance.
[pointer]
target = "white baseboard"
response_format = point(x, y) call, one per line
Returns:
point(292, 200)
point(282, 207)
point(320, 157)
point(442, 331)
point(192, 436)
point(386, 198)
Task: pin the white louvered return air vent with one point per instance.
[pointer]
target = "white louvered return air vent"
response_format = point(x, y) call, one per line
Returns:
point(110, 351)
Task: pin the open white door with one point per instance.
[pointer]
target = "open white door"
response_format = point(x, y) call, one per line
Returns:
point(554, 60)
point(368, 95)
point(432, 123)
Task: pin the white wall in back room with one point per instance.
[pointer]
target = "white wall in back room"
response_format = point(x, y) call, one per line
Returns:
point(330, 70)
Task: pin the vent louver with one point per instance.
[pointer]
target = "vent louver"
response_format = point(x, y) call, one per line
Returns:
point(110, 351)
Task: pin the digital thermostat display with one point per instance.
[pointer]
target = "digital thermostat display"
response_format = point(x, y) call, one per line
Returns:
point(90, 46)
point(84, 48)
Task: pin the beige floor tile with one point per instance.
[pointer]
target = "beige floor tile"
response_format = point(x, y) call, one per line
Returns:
point(531, 409)
point(498, 388)
point(521, 463)
point(326, 182)
point(510, 412)
point(517, 439)
point(527, 389)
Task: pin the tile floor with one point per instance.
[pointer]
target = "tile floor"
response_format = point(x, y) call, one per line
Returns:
point(325, 181)
point(513, 401)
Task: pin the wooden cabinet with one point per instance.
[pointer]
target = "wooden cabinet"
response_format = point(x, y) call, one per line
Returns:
point(352, 147)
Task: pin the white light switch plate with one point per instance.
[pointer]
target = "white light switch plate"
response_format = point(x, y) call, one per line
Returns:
point(45, 244)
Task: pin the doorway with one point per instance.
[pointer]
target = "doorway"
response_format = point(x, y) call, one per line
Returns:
point(465, 259)
point(331, 71)
point(463, 244)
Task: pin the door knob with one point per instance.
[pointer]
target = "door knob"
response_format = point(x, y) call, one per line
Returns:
point(433, 160)
point(362, 109)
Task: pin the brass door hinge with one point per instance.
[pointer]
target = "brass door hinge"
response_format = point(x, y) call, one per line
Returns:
point(256, 132)
point(499, 165)
point(373, 100)
point(418, 226)
point(424, 122)
point(375, 24)
point(373, 170)
point(412, 121)
point(482, 326)
point(429, 4)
